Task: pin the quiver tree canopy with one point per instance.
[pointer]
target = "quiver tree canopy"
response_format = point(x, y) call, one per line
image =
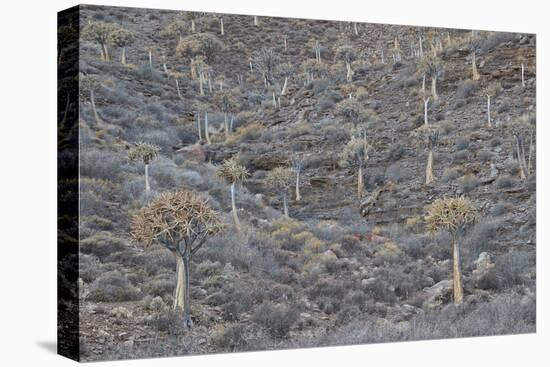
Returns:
point(176, 220)
point(142, 151)
point(232, 171)
point(450, 214)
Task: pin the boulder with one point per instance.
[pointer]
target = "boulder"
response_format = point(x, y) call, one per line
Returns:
point(432, 296)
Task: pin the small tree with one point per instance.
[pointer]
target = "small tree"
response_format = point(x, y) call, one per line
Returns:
point(519, 147)
point(200, 67)
point(433, 138)
point(90, 84)
point(355, 155)
point(492, 90)
point(280, 179)
point(474, 44)
point(452, 215)
point(226, 102)
point(144, 152)
point(233, 172)
point(284, 70)
point(193, 17)
point(432, 66)
point(121, 38)
point(177, 29)
point(99, 32)
point(297, 166)
point(181, 222)
point(265, 60)
point(200, 44)
point(348, 54)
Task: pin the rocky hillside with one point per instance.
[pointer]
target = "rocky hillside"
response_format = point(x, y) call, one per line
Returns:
point(352, 264)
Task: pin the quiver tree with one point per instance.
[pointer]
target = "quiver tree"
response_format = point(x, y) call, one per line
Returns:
point(317, 48)
point(433, 137)
point(200, 44)
point(265, 60)
point(226, 102)
point(492, 90)
point(521, 60)
point(452, 215)
point(99, 32)
point(88, 86)
point(396, 50)
point(348, 54)
point(297, 166)
point(519, 152)
point(193, 17)
point(177, 29)
point(355, 155)
point(309, 67)
point(280, 179)
point(474, 44)
point(432, 66)
point(67, 36)
point(121, 38)
point(181, 222)
point(234, 173)
point(200, 68)
point(285, 71)
point(144, 152)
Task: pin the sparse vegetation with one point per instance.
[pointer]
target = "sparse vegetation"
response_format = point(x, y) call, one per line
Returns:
point(247, 121)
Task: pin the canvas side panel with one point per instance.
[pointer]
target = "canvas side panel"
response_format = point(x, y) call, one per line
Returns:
point(67, 186)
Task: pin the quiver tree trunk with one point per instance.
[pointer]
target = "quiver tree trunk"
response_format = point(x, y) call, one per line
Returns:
point(181, 297)
point(520, 153)
point(123, 56)
point(283, 91)
point(457, 275)
point(434, 88)
point(285, 205)
point(178, 89)
point(201, 82)
point(429, 168)
point(94, 109)
point(222, 31)
point(192, 26)
point(147, 187)
point(475, 74)
point(522, 75)
point(199, 126)
point(349, 75)
point(360, 182)
point(206, 132)
point(234, 209)
point(151, 59)
point(432, 143)
point(106, 53)
point(426, 101)
point(256, 20)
